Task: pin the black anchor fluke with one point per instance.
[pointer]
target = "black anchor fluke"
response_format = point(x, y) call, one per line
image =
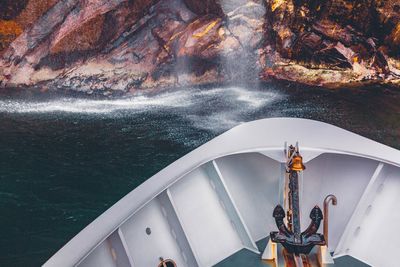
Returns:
point(291, 238)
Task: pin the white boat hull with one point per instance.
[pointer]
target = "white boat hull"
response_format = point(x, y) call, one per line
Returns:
point(219, 199)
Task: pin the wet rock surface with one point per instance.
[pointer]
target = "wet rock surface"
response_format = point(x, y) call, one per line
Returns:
point(99, 46)
point(332, 43)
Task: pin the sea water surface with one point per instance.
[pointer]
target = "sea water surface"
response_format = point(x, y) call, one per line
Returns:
point(64, 160)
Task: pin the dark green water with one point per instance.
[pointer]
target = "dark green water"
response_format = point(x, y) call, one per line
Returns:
point(63, 160)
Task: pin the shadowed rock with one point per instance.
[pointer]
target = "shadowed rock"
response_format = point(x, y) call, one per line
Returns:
point(122, 45)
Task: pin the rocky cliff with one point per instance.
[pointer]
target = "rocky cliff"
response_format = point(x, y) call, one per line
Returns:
point(109, 46)
point(333, 42)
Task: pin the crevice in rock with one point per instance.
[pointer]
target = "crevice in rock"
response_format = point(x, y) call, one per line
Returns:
point(131, 45)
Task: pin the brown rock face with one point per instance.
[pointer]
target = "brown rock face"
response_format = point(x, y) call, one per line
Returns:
point(86, 37)
point(109, 46)
point(10, 9)
point(204, 7)
point(9, 30)
point(33, 11)
point(18, 15)
point(388, 13)
point(200, 38)
point(345, 37)
point(118, 45)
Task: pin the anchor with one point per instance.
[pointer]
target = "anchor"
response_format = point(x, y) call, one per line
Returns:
point(290, 236)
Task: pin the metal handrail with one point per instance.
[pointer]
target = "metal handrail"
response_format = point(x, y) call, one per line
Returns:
point(328, 199)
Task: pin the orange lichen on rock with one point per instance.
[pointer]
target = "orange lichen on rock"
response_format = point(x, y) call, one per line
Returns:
point(24, 14)
point(10, 27)
point(9, 30)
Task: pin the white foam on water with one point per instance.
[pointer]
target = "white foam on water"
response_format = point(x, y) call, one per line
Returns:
point(214, 109)
point(93, 106)
point(239, 104)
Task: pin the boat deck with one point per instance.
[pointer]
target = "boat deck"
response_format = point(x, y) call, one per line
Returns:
point(247, 258)
point(205, 208)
